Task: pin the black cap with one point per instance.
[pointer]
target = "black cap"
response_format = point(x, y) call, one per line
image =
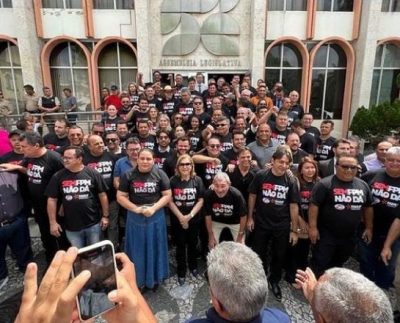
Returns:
point(15, 132)
point(114, 88)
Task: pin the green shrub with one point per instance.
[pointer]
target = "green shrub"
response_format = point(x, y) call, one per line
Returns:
point(378, 121)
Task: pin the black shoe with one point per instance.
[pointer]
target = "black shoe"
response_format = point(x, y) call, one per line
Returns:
point(276, 290)
point(396, 316)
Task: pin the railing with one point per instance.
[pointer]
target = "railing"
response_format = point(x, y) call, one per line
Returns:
point(85, 119)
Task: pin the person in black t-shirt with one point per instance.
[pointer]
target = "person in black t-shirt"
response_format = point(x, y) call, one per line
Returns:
point(224, 208)
point(40, 164)
point(163, 149)
point(187, 201)
point(293, 141)
point(182, 146)
point(111, 119)
point(57, 139)
point(385, 187)
point(297, 256)
point(273, 211)
point(325, 141)
point(103, 162)
point(82, 192)
point(337, 204)
point(147, 140)
point(211, 162)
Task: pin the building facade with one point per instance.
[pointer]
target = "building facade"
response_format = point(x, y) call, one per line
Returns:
point(338, 54)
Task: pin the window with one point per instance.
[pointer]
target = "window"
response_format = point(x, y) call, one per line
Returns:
point(113, 4)
point(5, 3)
point(391, 6)
point(68, 68)
point(288, 5)
point(386, 76)
point(335, 5)
point(11, 82)
point(284, 64)
point(328, 82)
point(117, 66)
point(62, 4)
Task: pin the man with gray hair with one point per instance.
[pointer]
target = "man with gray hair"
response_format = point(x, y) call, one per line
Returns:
point(238, 287)
point(224, 207)
point(342, 295)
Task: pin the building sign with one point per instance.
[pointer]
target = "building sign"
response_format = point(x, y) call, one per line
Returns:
point(166, 62)
point(219, 33)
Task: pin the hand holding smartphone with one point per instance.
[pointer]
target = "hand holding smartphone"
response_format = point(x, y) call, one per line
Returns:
point(99, 259)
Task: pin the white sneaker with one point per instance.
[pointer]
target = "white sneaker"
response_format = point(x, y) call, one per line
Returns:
point(3, 282)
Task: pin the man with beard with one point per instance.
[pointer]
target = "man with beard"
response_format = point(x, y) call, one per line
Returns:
point(184, 106)
point(163, 150)
point(182, 147)
point(168, 103)
point(57, 139)
point(293, 141)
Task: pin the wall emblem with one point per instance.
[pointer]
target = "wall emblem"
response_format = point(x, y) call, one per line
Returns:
point(218, 33)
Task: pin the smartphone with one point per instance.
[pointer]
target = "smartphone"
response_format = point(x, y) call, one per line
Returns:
point(99, 259)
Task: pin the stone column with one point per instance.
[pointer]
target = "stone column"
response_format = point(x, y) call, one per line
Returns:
point(365, 49)
point(143, 37)
point(258, 21)
point(29, 44)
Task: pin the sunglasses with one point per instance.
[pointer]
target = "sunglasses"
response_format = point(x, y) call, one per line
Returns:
point(114, 140)
point(185, 164)
point(348, 167)
point(215, 146)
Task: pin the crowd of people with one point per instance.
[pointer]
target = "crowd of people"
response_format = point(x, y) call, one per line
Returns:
point(192, 166)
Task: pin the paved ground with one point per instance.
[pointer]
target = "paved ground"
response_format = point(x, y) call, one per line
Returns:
point(170, 303)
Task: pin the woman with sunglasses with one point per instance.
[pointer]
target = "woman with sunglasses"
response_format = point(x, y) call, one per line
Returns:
point(144, 192)
point(194, 133)
point(176, 120)
point(297, 257)
point(187, 200)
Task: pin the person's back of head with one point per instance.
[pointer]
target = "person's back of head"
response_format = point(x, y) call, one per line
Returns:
point(342, 295)
point(237, 281)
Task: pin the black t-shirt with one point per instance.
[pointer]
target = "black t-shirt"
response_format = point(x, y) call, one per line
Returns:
point(242, 182)
point(185, 194)
point(160, 157)
point(170, 164)
point(78, 193)
point(53, 142)
point(168, 106)
point(297, 157)
point(231, 155)
point(144, 188)
point(305, 195)
point(205, 119)
point(314, 131)
point(185, 109)
point(274, 196)
point(386, 198)
point(228, 209)
point(226, 142)
point(104, 164)
point(279, 135)
point(196, 140)
point(111, 124)
point(155, 102)
point(324, 149)
point(148, 142)
point(207, 171)
point(340, 205)
point(308, 143)
point(138, 116)
point(12, 158)
point(39, 172)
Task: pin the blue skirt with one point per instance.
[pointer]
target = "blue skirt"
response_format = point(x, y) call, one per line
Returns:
point(146, 245)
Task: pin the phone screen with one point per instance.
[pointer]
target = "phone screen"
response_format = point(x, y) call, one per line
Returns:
point(93, 299)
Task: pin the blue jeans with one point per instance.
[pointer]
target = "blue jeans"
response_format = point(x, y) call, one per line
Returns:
point(84, 237)
point(16, 235)
point(371, 264)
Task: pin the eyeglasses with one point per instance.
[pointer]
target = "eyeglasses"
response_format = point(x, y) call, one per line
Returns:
point(221, 125)
point(348, 167)
point(215, 146)
point(185, 164)
point(114, 140)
